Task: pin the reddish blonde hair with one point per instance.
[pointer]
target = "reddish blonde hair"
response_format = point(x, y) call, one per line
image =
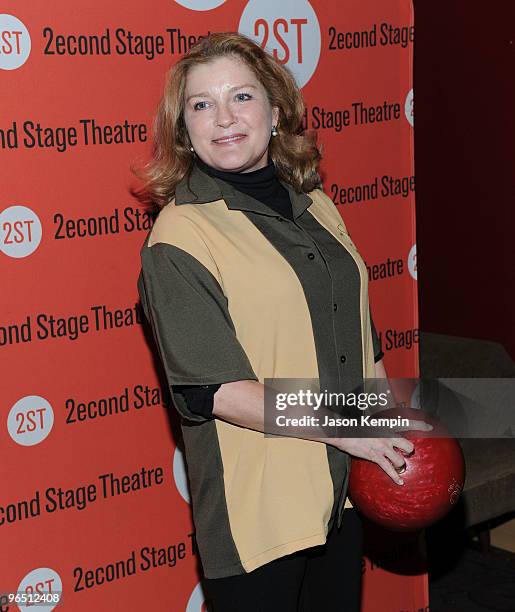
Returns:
point(294, 152)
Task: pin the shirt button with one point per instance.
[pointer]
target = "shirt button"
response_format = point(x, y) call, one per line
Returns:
point(311, 256)
point(343, 359)
point(335, 307)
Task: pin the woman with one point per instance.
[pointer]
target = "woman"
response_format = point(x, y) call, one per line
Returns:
point(247, 274)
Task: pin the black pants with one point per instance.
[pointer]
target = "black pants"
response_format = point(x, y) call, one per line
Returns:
point(324, 578)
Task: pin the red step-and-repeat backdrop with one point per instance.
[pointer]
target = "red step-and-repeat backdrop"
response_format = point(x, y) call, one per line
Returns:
point(94, 496)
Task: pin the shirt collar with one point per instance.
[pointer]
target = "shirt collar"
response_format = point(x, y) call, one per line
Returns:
point(200, 188)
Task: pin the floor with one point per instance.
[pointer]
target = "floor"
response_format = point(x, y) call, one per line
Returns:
point(465, 578)
point(478, 582)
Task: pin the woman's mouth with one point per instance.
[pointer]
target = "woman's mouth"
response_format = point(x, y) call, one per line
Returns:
point(230, 139)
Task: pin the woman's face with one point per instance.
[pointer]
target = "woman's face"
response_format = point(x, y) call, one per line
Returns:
point(228, 115)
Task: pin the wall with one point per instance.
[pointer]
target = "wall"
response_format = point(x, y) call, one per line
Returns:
point(464, 163)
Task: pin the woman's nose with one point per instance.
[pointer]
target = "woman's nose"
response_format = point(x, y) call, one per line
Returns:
point(224, 116)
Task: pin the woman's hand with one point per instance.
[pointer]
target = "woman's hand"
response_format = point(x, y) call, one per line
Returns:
point(379, 450)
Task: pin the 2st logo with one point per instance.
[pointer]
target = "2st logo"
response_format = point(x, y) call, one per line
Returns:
point(197, 602)
point(15, 42)
point(30, 420)
point(288, 30)
point(280, 28)
point(409, 108)
point(20, 231)
point(200, 5)
point(179, 474)
point(412, 262)
point(41, 581)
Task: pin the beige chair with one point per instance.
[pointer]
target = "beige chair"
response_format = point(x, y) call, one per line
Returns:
point(489, 491)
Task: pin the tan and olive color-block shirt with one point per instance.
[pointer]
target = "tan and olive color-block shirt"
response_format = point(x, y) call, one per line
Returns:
point(234, 291)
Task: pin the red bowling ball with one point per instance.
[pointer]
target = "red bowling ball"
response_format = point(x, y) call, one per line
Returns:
point(433, 480)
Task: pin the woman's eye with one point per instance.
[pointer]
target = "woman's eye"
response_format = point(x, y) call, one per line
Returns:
point(199, 106)
point(241, 97)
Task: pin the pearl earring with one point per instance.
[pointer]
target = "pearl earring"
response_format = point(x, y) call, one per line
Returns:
point(274, 130)
point(192, 149)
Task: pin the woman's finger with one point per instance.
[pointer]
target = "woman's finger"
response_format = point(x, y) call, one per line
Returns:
point(403, 444)
point(383, 462)
point(396, 458)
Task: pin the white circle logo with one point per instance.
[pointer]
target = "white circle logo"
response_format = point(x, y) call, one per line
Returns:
point(30, 420)
point(196, 602)
point(288, 30)
point(14, 42)
point(179, 474)
point(20, 231)
point(409, 108)
point(200, 5)
point(46, 584)
point(412, 261)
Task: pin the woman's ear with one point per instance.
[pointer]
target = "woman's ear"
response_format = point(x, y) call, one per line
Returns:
point(275, 115)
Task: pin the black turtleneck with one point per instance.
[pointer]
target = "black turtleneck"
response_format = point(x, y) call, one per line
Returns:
point(262, 185)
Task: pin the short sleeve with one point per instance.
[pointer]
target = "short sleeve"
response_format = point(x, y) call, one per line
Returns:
point(191, 322)
point(376, 342)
